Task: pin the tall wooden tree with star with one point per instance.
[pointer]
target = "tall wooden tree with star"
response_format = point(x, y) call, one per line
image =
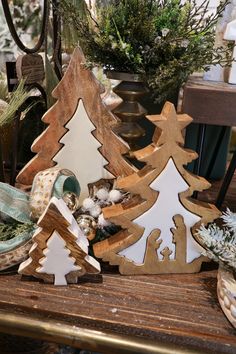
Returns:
point(159, 220)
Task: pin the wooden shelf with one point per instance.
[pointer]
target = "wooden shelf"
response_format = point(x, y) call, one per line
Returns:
point(170, 310)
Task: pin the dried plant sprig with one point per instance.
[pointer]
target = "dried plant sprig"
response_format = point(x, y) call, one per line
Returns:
point(11, 230)
point(3, 87)
point(17, 99)
point(220, 243)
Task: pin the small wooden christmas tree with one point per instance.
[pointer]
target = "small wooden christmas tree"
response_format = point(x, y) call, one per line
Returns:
point(158, 222)
point(59, 254)
point(81, 122)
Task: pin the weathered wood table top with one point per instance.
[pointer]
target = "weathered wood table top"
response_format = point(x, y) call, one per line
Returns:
point(182, 310)
point(210, 102)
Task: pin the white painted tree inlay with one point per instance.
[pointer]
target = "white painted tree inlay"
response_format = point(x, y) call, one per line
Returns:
point(160, 216)
point(57, 260)
point(80, 146)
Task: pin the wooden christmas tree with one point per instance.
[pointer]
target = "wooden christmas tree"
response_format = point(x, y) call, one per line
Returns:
point(79, 136)
point(158, 222)
point(59, 253)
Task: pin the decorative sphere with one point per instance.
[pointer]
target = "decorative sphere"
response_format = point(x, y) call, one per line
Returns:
point(86, 231)
point(115, 195)
point(102, 221)
point(88, 203)
point(102, 194)
point(71, 200)
point(88, 225)
point(95, 211)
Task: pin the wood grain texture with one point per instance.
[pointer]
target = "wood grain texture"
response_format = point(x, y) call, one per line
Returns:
point(30, 67)
point(179, 309)
point(210, 102)
point(77, 83)
point(53, 220)
point(167, 145)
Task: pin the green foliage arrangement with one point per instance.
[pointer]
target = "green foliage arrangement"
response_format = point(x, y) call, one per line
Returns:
point(220, 243)
point(70, 35)
point(165, 40)
point(3, 87)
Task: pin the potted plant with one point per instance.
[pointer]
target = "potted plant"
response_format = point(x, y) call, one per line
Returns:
point(220, 246)
point(164, 41)
point(160, 42)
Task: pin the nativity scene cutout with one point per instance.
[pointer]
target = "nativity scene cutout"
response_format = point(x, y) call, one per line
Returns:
point(159, 220)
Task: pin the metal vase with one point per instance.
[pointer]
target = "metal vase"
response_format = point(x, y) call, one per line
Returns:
point(131, 89)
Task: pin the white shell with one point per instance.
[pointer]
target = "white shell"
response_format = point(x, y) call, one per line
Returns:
point(233, 310)
point(226, 302)
point(226, 286)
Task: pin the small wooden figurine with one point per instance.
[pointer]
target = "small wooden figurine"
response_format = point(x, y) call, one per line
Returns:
point(59, 253)
point(159, 220)
point(79, 136)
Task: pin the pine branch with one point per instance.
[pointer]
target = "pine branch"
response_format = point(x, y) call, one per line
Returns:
point(9, 231)
point(220, 243)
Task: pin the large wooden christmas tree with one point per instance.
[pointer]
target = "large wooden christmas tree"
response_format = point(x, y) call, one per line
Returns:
point(159, 220)
point(79, 136)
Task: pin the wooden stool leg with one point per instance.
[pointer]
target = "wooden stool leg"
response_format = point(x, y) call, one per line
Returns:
point(215, 152)
point(226, 182)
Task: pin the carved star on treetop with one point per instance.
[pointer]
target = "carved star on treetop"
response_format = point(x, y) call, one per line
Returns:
point(171, 125)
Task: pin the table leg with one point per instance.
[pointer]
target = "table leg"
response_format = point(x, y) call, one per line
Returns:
point(199, 149)
point(226, 181)
point(215, 152)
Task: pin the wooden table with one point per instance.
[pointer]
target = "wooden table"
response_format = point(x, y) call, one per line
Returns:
point(211, 103)
point(122, 314)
